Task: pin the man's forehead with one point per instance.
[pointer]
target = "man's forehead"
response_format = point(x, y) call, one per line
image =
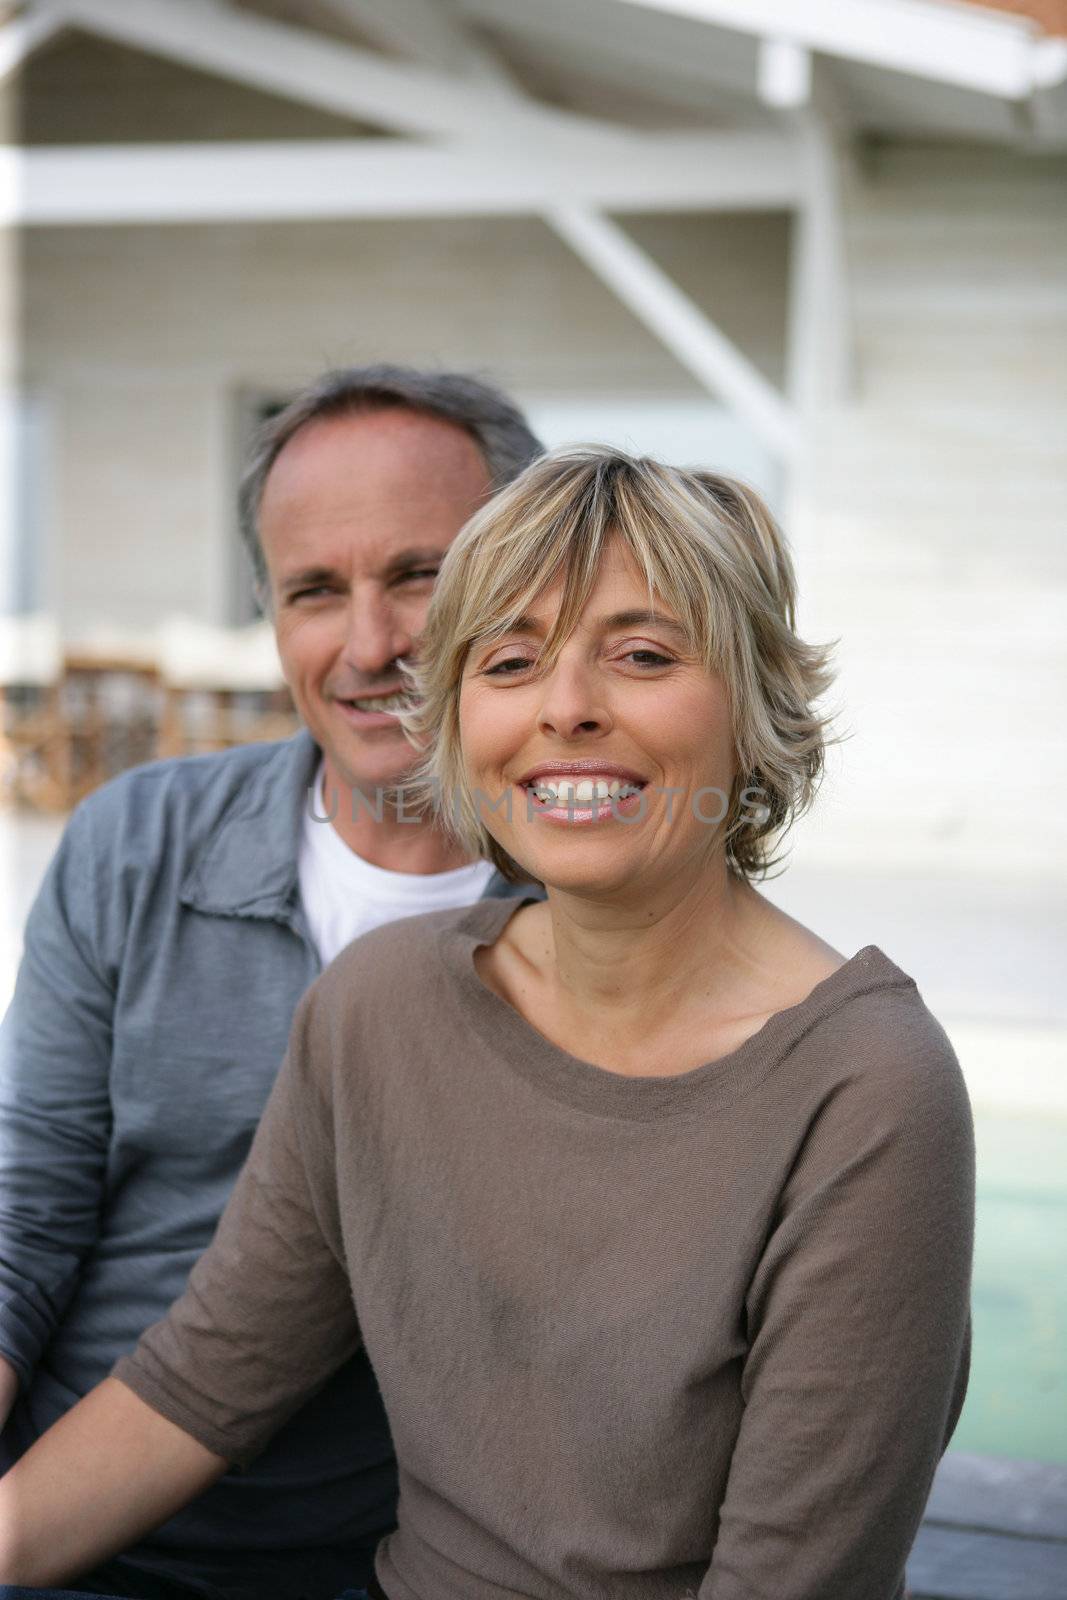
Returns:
point(365, 448)
point(345, 492)
point(350, 545)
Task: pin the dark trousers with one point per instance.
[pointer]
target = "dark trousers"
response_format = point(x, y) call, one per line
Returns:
point(9, 1593)
point(200, 1575)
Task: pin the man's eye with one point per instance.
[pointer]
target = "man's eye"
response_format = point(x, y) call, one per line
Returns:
point(419, 572)
point(312, 592)
point(509, 666)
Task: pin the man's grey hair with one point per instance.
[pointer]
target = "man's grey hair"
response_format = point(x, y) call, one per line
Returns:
point(494, 422)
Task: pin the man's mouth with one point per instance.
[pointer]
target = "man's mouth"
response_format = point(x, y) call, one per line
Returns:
point(398, 701)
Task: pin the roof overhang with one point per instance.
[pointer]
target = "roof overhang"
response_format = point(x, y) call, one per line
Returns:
point(922, 68)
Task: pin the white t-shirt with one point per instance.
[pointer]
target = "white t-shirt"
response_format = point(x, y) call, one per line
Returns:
point(344, 896)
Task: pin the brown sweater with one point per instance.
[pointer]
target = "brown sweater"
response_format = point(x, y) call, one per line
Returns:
point(637, 1337)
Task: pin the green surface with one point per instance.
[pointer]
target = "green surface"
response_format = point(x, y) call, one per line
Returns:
point(1017, 1400)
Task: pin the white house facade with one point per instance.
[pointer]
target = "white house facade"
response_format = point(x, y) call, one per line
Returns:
point(819, 243)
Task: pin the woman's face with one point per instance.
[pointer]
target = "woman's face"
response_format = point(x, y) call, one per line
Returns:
point(614, 768)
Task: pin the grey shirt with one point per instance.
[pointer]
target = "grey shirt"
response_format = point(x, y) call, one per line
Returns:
point(164, 958)
point(638, 1338)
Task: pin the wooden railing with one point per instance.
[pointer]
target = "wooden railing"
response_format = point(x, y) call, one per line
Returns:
point(60, 741)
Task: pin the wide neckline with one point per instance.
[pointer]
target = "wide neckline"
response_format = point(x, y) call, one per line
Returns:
point(516, 1043)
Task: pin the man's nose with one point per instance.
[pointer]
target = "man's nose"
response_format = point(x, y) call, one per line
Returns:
point(375, 634)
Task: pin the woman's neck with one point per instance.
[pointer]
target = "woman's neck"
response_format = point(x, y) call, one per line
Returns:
point(641, 982)
point(685, 943)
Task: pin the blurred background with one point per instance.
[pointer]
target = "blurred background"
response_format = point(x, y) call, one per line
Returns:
point(819, 244)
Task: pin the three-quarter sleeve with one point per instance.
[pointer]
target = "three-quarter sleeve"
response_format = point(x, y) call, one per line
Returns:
point(858, 1333)
point(268, 1313)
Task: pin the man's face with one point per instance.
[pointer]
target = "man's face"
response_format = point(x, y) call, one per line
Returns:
point(356, 515)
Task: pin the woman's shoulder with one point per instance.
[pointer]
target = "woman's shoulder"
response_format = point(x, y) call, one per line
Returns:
point(876, 1098)
point(387, 1000)
point(874, 1006)
point(401, 953)
point(877, 1049)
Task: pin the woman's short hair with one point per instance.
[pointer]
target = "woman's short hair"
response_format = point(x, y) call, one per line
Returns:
point(709, 549)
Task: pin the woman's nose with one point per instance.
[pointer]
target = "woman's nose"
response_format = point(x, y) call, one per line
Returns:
point(573, 703)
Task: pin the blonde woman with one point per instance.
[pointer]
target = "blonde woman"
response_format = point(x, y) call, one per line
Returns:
point(652, 1210)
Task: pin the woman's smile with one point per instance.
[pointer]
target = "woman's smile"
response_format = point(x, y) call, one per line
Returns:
point(582, 791)
point(574, 800)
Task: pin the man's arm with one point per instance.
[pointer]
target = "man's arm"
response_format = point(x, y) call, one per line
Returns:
point(105, 1474)
point(265, 1320)
point(268, 1313)
point(55, 1108)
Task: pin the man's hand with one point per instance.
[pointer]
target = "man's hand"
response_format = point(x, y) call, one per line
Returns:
point(9, 1388)
point(105, 1474)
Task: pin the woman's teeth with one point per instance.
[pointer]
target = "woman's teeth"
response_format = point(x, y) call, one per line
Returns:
point(381, 702)
point(581, 791)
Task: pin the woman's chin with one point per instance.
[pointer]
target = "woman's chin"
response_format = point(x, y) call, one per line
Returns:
point(575, 868)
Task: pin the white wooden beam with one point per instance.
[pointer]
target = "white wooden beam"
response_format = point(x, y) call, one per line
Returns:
point(695, 341)
point(971, 46)
point(783, 73)
point(818, 342)
point(819, 359)
point(301, 65)
point(434, 33)
point(420, 30)
point(1050, 67)
point(642, 285)
point(265, 181)
point(476, 58)
point(806, 93)
point(20, 37)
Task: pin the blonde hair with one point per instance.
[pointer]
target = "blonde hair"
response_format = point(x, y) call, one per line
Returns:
point(709, 548)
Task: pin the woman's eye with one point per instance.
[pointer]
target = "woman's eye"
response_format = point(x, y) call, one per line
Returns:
point(507, 667)
point(649, 658)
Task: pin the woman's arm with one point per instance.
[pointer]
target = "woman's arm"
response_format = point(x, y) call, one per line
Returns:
point(858, 1323)
point(105, 1474)
point(9, 1388)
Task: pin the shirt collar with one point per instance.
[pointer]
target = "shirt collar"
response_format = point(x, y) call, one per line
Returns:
point(249, 864)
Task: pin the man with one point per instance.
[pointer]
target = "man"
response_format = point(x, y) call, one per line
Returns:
point(190, 904)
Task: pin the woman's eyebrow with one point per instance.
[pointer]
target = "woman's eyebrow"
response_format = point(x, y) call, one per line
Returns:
point(523, 624)
point(617, 619)
point(642, 619)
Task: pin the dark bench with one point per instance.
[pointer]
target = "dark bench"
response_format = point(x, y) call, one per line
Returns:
point(994, 1530)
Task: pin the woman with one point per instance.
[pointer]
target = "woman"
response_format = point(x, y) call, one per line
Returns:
point(653, 1211)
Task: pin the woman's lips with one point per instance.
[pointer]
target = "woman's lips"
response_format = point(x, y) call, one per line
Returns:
point(581, 798)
